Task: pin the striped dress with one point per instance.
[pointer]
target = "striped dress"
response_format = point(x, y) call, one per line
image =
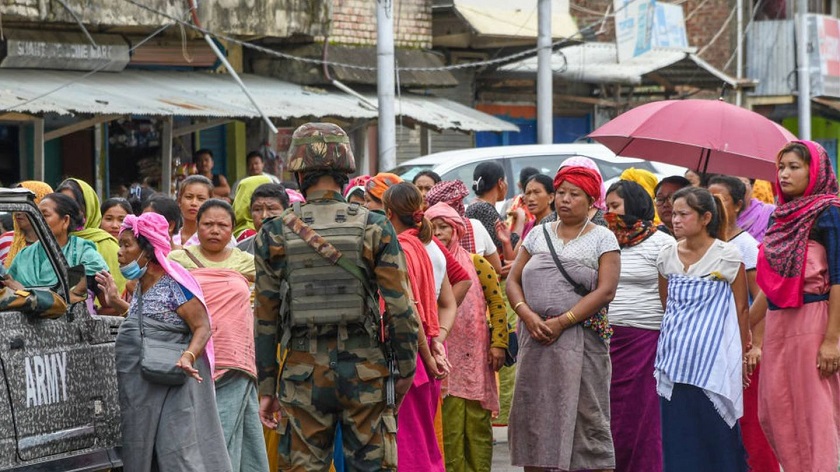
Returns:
point(698, 363)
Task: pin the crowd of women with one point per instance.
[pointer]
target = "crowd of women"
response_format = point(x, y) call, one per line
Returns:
point(135, 266)
point(660, 325)
point(645, 311)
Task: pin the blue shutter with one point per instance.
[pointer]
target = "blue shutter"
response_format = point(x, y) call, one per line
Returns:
point(215, 139)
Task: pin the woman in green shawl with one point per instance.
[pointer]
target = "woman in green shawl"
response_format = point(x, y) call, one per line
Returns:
point(242, 205)
point(32, 267)
point(85, 196)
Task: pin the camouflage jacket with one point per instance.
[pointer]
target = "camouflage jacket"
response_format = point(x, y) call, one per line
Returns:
point(387, 261)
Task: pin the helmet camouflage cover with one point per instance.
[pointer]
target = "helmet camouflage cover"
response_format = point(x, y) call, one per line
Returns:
point(319, 146)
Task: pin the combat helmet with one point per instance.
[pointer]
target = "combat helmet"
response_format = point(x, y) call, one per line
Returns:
point(320, 146)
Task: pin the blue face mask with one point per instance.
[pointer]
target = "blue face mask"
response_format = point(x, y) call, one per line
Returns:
point(132, 270)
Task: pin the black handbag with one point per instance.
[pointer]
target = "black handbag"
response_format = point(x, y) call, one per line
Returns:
point(512, 350)
point(158, 358)
point(576, 286)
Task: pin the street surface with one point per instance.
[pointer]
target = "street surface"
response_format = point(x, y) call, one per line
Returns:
point(501, 453)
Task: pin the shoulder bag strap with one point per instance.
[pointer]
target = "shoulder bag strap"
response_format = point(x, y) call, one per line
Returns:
point(193, 258)
point(139, 309)
point(578, 287)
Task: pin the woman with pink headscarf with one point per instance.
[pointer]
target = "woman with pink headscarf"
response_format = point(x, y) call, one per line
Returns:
point(172, 428)
point(475, 352)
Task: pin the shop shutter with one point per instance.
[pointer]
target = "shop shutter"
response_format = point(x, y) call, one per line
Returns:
point(215, 139)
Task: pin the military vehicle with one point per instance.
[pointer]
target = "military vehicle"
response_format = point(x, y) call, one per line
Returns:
point(59, 406)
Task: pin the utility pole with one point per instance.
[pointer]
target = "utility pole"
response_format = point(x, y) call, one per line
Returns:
point(387, 132)
point(739, 52)
point(545, 100)
point(803, 70)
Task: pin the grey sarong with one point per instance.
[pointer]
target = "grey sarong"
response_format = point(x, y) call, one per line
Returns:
point(560, 417)
point(239, 411)
point(172, 429)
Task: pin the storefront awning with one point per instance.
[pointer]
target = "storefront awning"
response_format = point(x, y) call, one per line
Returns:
point(597, 63)
point(200, 94)
point(440, 114)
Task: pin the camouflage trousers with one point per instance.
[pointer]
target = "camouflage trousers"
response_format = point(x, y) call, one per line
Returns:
point(322, 385)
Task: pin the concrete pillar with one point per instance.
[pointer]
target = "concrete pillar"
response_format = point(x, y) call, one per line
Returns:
point(166, 157)
point(38, 149)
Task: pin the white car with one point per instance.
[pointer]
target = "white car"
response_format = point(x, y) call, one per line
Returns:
point(460, 164)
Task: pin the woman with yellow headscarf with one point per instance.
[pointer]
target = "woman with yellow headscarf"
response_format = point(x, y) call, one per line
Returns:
point(763, 191)
point(107, 246)
point(244, 225)
point(23, 234)
point(646, 179)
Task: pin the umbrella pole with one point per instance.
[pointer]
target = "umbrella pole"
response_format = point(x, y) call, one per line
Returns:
point(700, 162)
point(706, 162)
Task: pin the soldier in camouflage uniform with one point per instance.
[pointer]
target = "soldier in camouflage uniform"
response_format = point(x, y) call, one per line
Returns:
point(335, 372)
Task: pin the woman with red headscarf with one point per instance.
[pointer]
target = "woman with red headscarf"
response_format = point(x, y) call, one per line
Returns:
point(564, 275)
point(798, 272)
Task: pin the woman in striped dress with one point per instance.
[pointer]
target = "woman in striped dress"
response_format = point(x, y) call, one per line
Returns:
point(699, 368)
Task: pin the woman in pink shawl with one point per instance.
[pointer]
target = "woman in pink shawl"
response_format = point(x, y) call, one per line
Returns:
point(164, 427)
point(471, 395)
point(798, 272)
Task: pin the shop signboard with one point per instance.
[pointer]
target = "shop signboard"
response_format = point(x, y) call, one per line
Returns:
point(30, 49)
point(824, 56)
point(644, 24)
point(669, 26)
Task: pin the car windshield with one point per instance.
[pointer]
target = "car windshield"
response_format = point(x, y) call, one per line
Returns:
point(548, 165)
point(408, 172)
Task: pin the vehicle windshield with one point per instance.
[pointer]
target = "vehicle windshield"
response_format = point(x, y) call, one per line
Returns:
point(548, 165)
point(408, 172)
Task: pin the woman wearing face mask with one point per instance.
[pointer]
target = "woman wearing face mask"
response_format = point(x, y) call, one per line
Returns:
point(165, 427)
point(636, 317)
point(799, 273)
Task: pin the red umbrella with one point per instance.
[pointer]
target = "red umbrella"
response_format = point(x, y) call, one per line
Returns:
point(706, 135)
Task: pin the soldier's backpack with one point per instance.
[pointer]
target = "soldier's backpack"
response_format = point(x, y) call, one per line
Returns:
point(325, 270)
